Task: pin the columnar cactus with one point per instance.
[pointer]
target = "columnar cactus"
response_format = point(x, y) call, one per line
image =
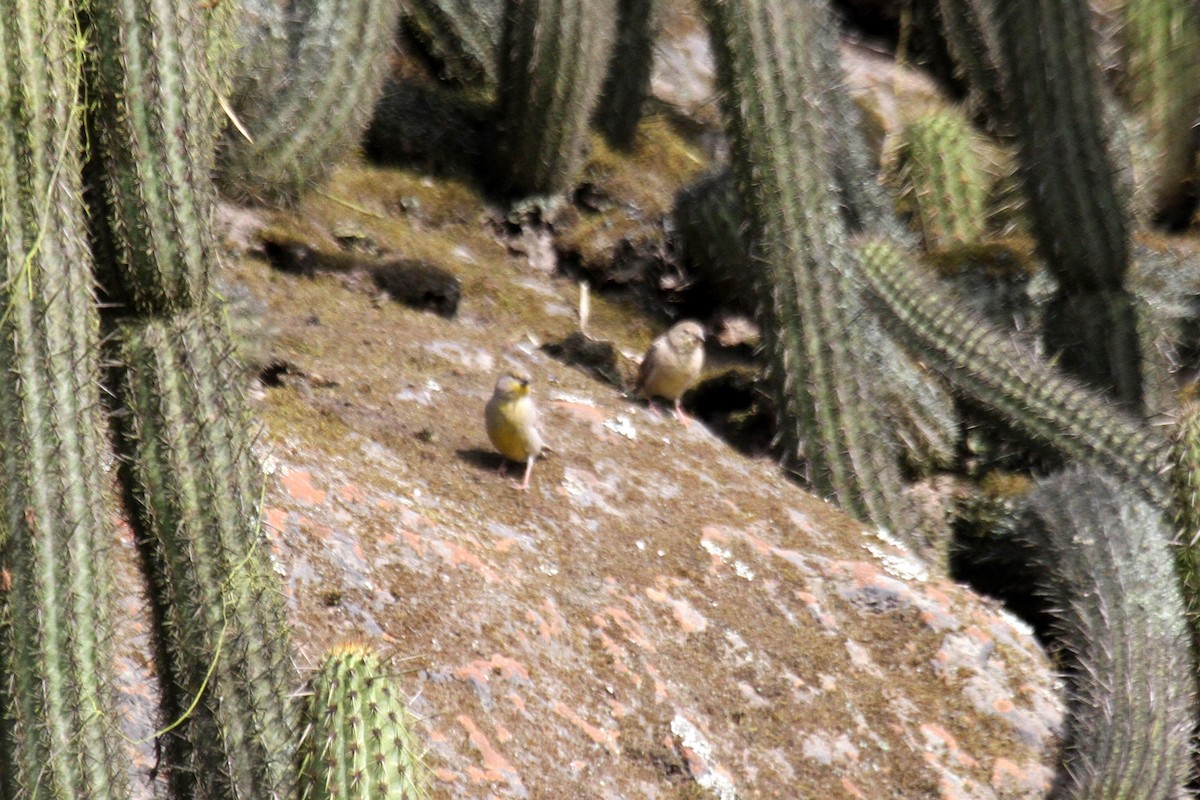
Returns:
point(1076, 198)
point(155, 124)
point(943, 184)
point(552, 59)
point(971, 40)
point(708, 218)
point(196, 489)
point(980, 362)
point(628, 80)
point(259, 57)
point(359, 743)
point(1184, 477)
point(288, 137)
point(59, 736)
point(1162, 55)
point(1102, 561)
point(464, 35)
point(776, 80)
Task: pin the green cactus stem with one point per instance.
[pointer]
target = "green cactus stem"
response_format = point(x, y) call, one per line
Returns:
point(1052, 83)
point(629, 66)
point(59, 735)
point(777, 87)
point(195, 489)
point(288, 138)
point(463, 36)
point(1184, 477)
point(552, 61)
point(943, 184)
point(1076, 198)
point(980, 362)
point(1162, 55)
point(154, 78)
point(259, 57)
point(708, 219)
point(1074, 323)
point(359, 742)
point(1102, 560)
point(971, 39)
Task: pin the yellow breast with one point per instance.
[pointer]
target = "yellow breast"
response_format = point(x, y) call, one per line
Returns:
point(511, 426)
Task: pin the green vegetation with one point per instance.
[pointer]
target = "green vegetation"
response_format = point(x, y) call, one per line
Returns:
point(197, 490)
point(768, 65)
point(552, 59)
point(1101, 559)
point(359, 743)
point(58, 712)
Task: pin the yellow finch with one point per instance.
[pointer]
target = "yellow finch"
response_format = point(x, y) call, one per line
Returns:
point(512, 422)
point(672, 365)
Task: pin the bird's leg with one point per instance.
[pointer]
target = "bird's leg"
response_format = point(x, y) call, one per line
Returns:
point(528, 472)
point(503, 468)
point(682, 417)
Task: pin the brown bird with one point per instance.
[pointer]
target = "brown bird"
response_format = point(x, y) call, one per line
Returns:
point(672, 365)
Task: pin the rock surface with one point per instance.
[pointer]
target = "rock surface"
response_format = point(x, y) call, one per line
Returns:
point(659, 616)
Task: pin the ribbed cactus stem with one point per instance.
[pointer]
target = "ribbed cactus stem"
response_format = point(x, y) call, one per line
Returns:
point(359, 742)
point(59, 735)
point(1076, 199)
point(258, 61)
point(708, 218)
point(1052, 80)
point(196, 489)
point(552, 61)
point(463, 35)
point(629, 66)
point(1162, 46)
point(339, 57)
point(979, 361)
point(1095, 333)
point(943, 183)
point(1102, 559)
point(155, 77)
point(777, 88)
point(1184, 477)
point(971, 40)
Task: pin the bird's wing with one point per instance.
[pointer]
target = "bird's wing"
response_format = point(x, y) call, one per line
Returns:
point(649, 363)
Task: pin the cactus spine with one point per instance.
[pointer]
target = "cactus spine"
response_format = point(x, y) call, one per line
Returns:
point(1184, 476)
point(1052, 85)
point(971, 39)
point(628, 80)
point(334, 76)
point(358, 742)
point(552, 59)
point(981, 363)
point(58, 712)
point(1162, 45)
point(188, 470)
point(943, 183)
point(156, 120)
point(1102, 557)
point(196, 489)
point(464, 35)
point(1076, 200)
point(775, 78)
point(260, 51)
